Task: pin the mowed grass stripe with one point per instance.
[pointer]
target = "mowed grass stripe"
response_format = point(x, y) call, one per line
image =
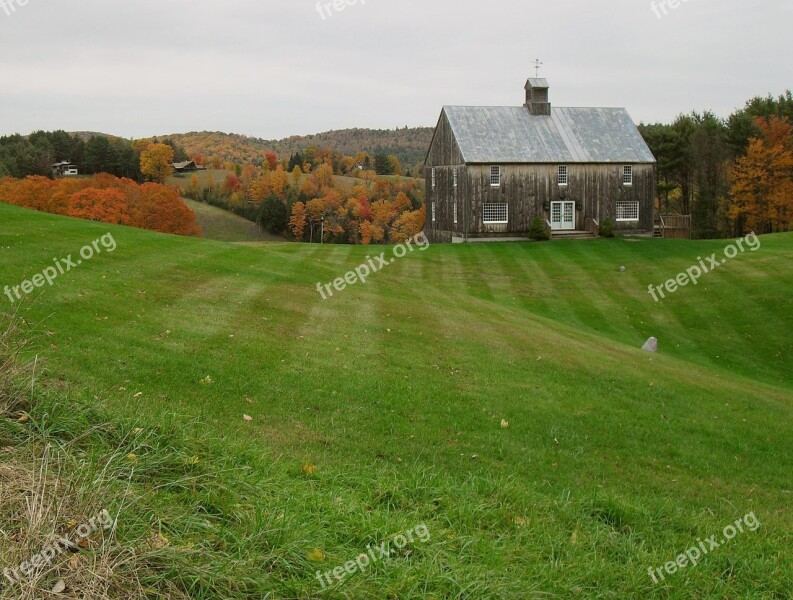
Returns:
point(614, 459)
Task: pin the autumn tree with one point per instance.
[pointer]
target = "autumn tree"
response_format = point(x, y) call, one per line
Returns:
point(279, 181)
point(408, 224)
point(156, 162)
point(106, 206)
point(762, 181)
point(371, 233)
point(297, 175)
point(396, 165)
point(271, 160)
point(297, 222)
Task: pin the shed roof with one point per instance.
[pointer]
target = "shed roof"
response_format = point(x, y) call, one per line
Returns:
point(511, 134)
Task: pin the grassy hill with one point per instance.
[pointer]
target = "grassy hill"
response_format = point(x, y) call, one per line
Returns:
point(614, 461)
point(221, 225)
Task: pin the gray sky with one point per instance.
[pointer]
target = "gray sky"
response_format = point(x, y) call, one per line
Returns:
point(276, 68)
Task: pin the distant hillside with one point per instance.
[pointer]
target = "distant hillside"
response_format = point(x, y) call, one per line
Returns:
point(409, 144)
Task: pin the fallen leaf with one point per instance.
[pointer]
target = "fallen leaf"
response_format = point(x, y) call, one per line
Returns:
point(23, 419)
point(138, 395)
point(504, 424)
point(247, 418)
point(316, 555)
point(159, 541)
point(59, 587)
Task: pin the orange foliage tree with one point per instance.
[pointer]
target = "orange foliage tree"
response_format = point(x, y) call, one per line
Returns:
point(762, 181)
point(297, 222)
point(104, 198)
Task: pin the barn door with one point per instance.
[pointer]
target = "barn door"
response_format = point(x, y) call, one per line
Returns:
point(568, 215)
point(562, 216)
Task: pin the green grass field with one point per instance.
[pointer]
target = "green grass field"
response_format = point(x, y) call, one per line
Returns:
point(224, 226)
point(615, 461)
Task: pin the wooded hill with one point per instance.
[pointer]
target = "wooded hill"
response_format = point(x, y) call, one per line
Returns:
point(408, 144)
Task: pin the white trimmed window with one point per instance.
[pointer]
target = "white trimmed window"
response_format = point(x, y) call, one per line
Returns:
point(627, 175)
point(433, 212)
point(455, 178)
point(495, 213)
point(627, 210)
point(562, 175)
point(495, 176)
point(433, 178)
point(454, 210)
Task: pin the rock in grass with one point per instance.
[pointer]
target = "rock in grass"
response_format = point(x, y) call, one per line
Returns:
point(651, 345)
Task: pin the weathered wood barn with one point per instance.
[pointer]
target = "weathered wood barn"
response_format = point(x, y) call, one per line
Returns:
point(491, 170)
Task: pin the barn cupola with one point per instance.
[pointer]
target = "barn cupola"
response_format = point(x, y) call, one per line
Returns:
point(537, 98)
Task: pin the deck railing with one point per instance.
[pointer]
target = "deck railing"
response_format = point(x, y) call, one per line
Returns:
point(674, 226)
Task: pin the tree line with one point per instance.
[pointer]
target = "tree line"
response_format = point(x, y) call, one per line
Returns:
point(314, 204)
point(733, 175)
point(21, 156)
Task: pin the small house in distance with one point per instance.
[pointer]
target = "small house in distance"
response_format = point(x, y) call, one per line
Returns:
point(187, 166)
point(490, 171)
point(64, 169)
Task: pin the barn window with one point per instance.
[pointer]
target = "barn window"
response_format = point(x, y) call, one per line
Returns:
point(562, 175)
point(455, 213)
point(455, 178)
point(627, 175)
point(433, 178)
point(495, 213)
point(495, 176)
point(433, 212)
point(627, 210)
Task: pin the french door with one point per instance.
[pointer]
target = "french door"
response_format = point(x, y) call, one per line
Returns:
point(563, 216)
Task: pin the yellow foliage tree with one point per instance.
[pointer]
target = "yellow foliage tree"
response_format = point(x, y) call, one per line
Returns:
point(156, 162)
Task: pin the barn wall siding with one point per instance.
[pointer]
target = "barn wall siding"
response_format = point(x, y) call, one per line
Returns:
point(527, 190)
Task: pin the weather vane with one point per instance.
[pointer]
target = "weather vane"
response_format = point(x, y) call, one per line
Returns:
point(537, 65)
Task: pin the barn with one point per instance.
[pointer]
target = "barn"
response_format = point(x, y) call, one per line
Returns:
point(490, 171)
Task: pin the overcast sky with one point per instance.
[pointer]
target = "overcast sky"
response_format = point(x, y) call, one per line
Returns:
point(273, 68)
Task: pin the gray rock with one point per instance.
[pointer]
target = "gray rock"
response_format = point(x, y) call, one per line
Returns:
point(651, 345)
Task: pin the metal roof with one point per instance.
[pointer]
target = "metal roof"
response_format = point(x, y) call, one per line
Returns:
point(537, 83)
point(511, 134)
